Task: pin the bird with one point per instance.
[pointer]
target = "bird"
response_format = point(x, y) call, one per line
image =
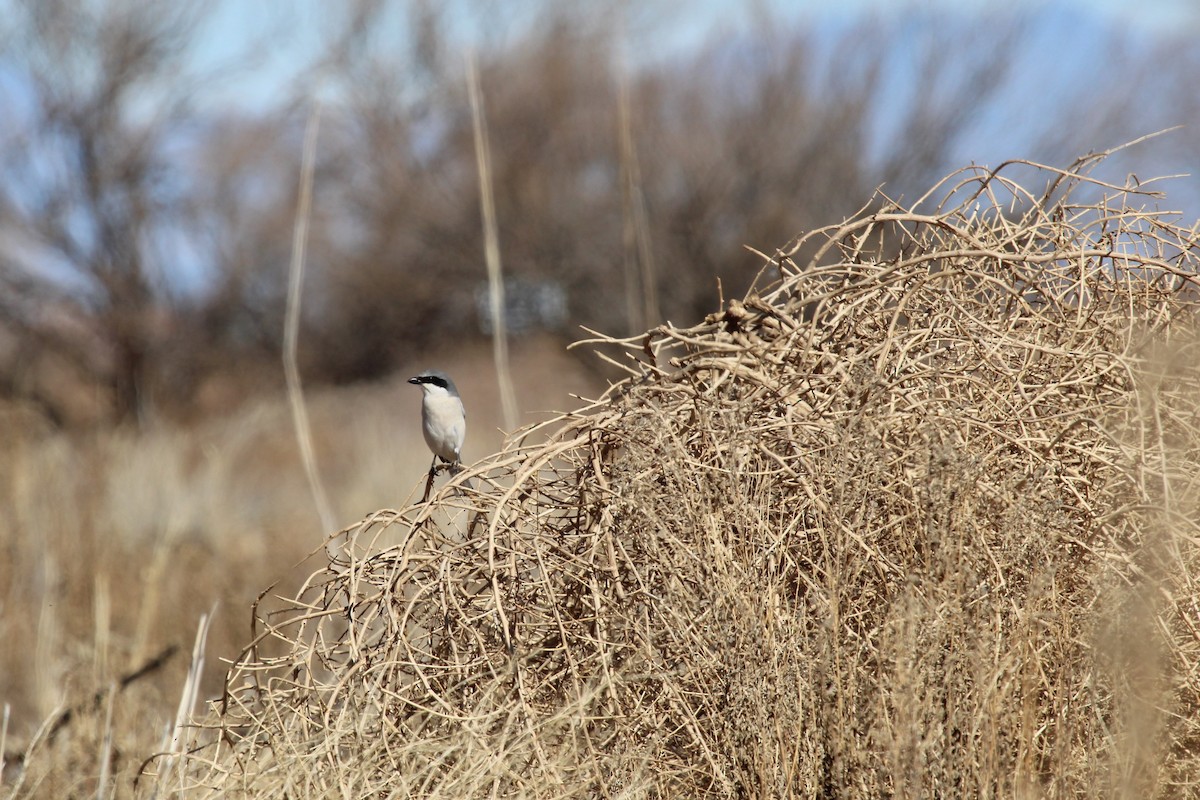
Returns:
point(443, 418)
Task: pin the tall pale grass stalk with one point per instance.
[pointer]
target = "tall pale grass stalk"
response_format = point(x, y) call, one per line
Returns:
point(106, 746)
point(640, 280)
point(41, 735)
point(102, 613)
point(491, 249)
point(187, 702)
point(291, 331)
point(49, 635)
point(4, 740)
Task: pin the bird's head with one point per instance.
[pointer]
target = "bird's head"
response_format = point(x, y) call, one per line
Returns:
point(434, 381)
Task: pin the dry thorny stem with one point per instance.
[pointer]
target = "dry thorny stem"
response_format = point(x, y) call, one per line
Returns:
point(919, 518)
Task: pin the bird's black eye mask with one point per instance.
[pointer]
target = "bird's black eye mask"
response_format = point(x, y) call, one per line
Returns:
point(435, 380)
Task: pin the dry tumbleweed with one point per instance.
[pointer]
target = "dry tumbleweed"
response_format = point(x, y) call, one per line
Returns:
point(919, 519)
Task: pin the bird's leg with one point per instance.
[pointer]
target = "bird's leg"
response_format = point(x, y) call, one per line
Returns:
point(453, 467)
point(429, 481)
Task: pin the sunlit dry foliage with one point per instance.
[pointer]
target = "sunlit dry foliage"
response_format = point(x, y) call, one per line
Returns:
point(918, 519)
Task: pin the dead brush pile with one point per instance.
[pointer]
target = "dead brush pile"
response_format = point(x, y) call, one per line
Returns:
point(919, 520)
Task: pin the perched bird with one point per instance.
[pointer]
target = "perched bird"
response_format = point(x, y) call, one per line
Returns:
point(443, 418)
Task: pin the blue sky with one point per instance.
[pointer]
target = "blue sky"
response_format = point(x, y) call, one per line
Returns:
point(282, 34)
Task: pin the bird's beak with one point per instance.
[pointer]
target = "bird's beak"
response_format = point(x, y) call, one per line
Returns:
point(414, 380)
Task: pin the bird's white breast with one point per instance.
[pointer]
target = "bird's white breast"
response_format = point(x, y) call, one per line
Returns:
point(443, 422)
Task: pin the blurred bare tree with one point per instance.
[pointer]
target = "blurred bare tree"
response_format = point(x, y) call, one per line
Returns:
point(143, 242)
point(89, 196)
point(745, 141)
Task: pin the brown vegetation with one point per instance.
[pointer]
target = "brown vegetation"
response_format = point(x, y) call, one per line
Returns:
point(918, 519)
point(914, 518)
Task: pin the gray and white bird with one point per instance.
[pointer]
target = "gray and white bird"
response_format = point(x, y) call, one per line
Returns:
point(443, 418)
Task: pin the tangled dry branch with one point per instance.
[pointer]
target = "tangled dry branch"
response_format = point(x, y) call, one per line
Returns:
point(919, 520)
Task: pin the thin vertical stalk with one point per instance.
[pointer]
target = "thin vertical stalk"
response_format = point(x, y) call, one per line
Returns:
point(491, 249)
point(291, 329)
point(640, 277)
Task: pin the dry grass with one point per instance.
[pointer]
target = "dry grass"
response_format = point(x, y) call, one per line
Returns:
point(113, 544)
point(919, 520)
